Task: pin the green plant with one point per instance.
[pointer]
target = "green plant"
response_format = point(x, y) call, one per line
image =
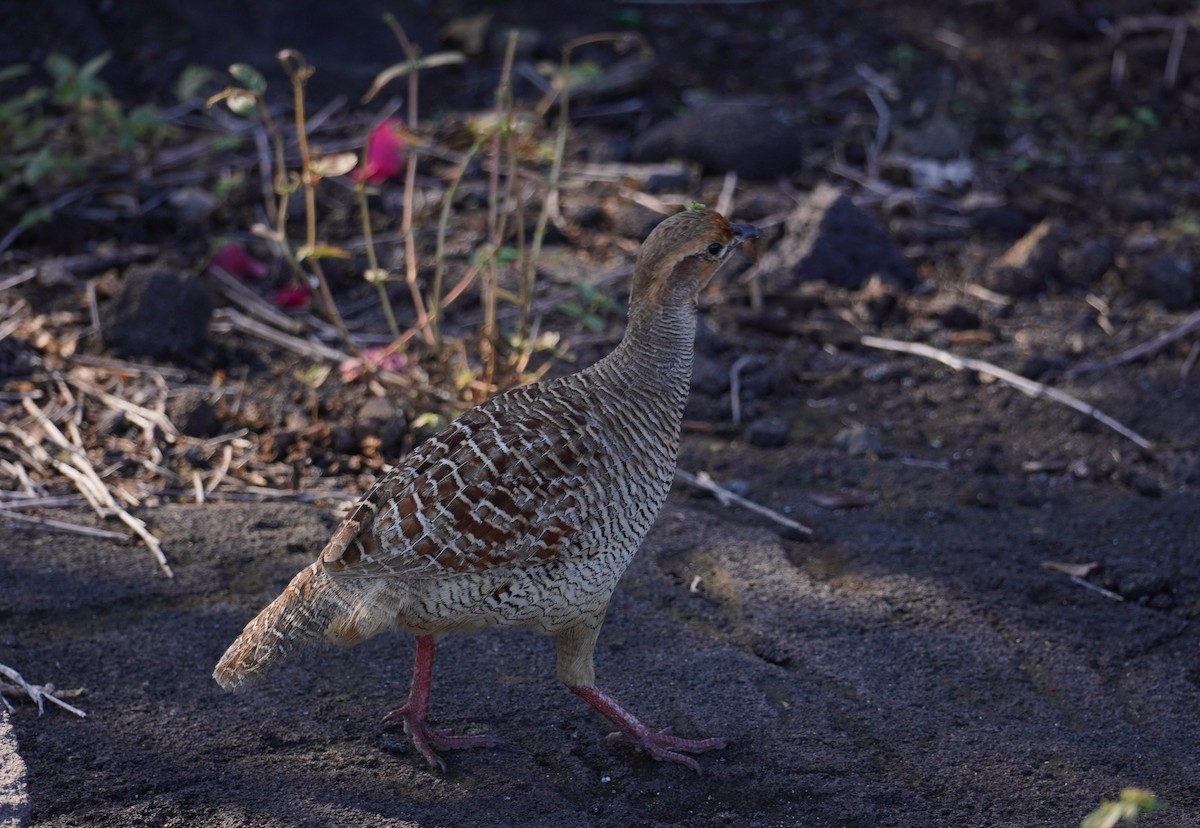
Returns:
point(53, 137)
point(591, 308)
point(1132, 804)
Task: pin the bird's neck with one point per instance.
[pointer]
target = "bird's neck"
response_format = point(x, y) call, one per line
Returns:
point(655, 354)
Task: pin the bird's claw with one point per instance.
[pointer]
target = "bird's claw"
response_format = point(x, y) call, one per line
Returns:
point(428, 740)
point(665, 747)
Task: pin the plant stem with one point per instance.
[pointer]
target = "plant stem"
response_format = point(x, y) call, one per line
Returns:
point(364, 213)
point(299, 72)
point(410, 184)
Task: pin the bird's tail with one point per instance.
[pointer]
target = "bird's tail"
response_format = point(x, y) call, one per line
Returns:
point(309, 608)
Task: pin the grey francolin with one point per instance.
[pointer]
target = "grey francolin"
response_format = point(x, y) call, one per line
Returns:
point(522, 513)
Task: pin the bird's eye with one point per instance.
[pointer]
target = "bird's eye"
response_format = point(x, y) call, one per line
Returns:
point(715, 249)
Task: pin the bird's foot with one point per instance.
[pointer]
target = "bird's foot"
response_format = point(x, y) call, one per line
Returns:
point(428, 740)
point(661, 744)
point(665, 747)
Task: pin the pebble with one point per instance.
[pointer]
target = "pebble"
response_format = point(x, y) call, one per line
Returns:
point(1170, 280)
point(859, 441)
point(768, 432)
point(1028, 267)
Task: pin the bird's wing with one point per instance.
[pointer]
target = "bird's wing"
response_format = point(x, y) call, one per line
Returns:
point(504, 485)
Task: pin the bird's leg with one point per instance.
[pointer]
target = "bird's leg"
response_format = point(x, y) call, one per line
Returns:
point(425, 738)
point(575, 669)
point(658, 743)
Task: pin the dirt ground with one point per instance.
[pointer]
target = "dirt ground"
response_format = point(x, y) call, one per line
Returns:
point(913, 662)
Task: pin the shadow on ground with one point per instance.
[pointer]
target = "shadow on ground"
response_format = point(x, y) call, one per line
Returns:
point(910, 666)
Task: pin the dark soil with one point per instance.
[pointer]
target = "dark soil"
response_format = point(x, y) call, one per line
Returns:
point(912, 663)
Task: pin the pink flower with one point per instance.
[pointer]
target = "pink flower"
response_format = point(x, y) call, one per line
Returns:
point(234, 260)
point(385, 153)
point(385, 358)
point(293, 298)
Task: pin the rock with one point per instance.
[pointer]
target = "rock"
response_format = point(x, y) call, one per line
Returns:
point(859, 441)
point(1084, 265)
point(1143, 484)
point(1030, 265)
point(998, 223)
point(17, 358)
point(193, 205)
point(586, 214)
point(755, 140)
point(768, 432)
point(379, 418)
point(955, 316)
point(1170, 280)
point(157, 313)
point(1035, 366)
point(939, 139)
point(828, 238)
point(193, 413)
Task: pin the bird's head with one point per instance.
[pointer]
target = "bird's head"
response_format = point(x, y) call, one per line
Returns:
point(682, 254)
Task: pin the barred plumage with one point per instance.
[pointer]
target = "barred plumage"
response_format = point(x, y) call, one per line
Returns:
point(524, 512)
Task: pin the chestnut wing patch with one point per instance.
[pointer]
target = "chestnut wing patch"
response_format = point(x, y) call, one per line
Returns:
point(476, 497)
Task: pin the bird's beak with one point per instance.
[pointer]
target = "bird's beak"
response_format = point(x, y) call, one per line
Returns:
point(744, 233)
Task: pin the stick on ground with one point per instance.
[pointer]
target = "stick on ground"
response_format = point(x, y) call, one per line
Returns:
point(703, 481)
point(1023, 384)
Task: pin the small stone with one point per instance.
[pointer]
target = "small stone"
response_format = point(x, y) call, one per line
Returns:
point(859, 441)
point(17, 358)
point(193, 413)
point(1170, 280)
point(768, 432)
point(1143, 484)
point(1084, 265)
point(342, 440)
point(379, 418)
point(998, 223)
point(1028, 267)
point(958, 317)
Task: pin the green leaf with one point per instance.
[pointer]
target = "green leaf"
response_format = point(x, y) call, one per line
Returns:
point(60, 67)
point(314, 375)
point(15, 71)
point(92, 68)
point(191, 80)
point(249, 77)
point(35, 216)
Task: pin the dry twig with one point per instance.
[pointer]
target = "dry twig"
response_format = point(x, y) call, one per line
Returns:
point(1159, 342)
point(81, 472)
point(39, 693)
point(703, 481)
point(1023, 384)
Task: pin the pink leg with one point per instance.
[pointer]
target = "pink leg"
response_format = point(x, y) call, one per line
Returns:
point(426, 739)
point(659, 744)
